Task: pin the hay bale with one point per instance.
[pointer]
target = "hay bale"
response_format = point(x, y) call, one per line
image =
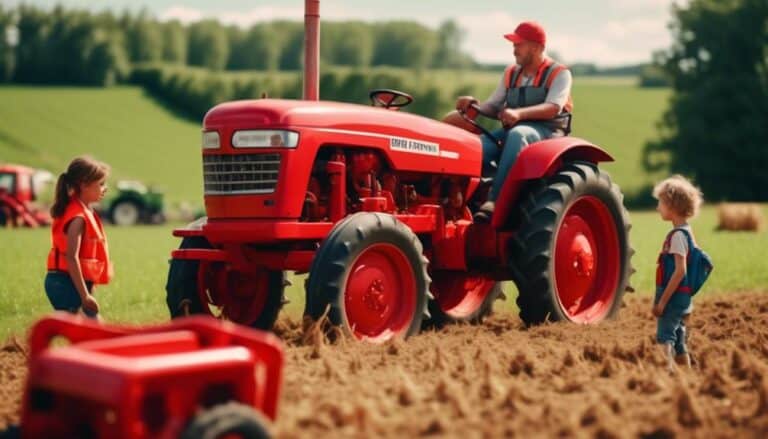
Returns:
point(740, 217)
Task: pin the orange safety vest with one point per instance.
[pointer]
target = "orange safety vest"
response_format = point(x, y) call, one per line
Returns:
point(94, 253)
point(547, 72)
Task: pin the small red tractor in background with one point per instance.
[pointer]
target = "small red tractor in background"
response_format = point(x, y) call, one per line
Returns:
point(19, 189)
point(376, 206)
point(195, 377)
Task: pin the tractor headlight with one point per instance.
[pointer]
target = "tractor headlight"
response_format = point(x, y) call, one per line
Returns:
point(211, 140)
point(265, 139)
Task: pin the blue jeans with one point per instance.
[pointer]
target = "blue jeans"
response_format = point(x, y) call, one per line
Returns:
point(515, 140)
point(62, 293)
point(670, 327)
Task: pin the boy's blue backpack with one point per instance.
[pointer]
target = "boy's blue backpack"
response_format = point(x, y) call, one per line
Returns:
point(698, 265)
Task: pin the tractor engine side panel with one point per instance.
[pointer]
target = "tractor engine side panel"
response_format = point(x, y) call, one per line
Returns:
point(430, 156)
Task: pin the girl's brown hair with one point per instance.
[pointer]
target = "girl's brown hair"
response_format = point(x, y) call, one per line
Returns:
point(81, 170)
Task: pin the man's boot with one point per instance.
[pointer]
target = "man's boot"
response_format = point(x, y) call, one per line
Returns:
point(485, 213)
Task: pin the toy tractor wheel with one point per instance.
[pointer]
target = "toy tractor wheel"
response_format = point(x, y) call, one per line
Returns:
point(371, 277)
point(242, 303)
point(233, 420)
point(125, 213)
point(572, 253)
point(460, 297)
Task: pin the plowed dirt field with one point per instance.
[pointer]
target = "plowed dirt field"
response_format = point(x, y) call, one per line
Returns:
point(499, 379)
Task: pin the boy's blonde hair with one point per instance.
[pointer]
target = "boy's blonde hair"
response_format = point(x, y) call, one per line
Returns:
point(680, 195)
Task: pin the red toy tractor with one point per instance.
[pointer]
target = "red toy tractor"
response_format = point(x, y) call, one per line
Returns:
point(193, 378)
point(376, 206)
point(19, 187)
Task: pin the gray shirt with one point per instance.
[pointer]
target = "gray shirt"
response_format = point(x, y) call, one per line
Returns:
point(557, 94)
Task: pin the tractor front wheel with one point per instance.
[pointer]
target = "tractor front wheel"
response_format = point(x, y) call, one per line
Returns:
point(194, 287)
point(572, 253)
point(371, 278)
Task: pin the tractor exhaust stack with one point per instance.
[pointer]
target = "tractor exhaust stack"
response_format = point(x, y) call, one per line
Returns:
point(311, 50)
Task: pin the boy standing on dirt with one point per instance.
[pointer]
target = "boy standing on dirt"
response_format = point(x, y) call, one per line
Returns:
point(679, 200)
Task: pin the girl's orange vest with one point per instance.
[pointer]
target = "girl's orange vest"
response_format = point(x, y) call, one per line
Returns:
point(94, 254)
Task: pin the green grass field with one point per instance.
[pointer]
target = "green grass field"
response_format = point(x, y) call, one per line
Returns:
point(48, 126)
point(140, 255)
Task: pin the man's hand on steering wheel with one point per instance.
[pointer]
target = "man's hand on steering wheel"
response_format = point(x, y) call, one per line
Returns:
point(509, 117)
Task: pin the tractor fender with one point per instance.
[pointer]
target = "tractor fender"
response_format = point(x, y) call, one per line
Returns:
point(540, 160)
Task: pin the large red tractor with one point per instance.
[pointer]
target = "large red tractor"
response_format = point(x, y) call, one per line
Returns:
point(376, 206)
point(19, 187)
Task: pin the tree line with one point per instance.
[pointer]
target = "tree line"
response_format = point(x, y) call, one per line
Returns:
point(79, 47)
point(716, 126)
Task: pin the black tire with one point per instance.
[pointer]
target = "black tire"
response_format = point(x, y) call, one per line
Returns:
point(129, 206)
point(181, 288)
point(227, 419)
point(540, 218)
point(439, 318)
point(325, 287)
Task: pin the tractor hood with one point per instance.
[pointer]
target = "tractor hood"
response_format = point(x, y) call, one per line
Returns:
point(265, 113)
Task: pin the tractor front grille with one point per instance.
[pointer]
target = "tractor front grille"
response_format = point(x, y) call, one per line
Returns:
point(240, 174)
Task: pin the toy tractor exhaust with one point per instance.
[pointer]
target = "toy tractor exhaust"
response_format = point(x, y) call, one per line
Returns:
point(376, 205)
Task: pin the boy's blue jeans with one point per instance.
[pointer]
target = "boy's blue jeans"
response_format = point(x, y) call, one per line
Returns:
point(62, 293)
point(670, 327)
point(516, 139)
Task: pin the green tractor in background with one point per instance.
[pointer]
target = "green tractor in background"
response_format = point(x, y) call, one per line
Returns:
point(133, 203)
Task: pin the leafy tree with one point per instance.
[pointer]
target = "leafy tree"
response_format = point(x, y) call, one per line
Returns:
point(404, 43)
point(257, 49)
point(448, 53)
point(208, 45)
point(144, 39)
point(174, 42)
point(715, 129)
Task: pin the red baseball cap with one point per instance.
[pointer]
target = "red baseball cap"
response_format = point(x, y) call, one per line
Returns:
point(528, 31)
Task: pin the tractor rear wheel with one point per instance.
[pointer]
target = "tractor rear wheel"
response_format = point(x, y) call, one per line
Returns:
point(233, 420)
point(459, 297)
point(371, 277)
point(252, 299)
point(572, 256)
point(125, 213)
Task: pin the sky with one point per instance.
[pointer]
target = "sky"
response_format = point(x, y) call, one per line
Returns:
point(604, 32)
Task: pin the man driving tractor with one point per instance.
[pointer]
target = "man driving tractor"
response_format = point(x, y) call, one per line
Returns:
point(532, 101)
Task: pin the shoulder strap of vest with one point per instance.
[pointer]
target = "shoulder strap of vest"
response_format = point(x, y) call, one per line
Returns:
point(552, 74)
point(89, 216)
point(508, 73)
point(543, 71)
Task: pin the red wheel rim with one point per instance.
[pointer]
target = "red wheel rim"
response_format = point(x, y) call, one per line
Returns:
point(460, 295)
point(586, 261)
point(232, 295)
point(380, 294)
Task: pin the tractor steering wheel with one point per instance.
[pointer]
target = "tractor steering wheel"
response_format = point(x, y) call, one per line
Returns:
point(465, 116)
point(388, 98)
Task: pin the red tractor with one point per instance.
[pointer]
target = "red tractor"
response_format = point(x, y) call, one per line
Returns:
point(193, 378)
point(376, 206)
point(19, 189)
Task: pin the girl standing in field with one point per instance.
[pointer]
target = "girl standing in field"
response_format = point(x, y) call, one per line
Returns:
point(79, 257)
